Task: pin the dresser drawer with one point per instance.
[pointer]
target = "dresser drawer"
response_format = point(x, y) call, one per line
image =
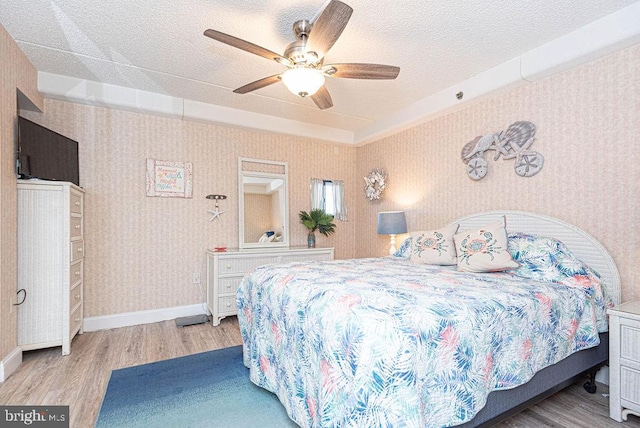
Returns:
point(75, 273)
point(630, 388)
point(305, 257)
point(228, 305)
point(244, 265)
point(75, 320)
point(229, 285)
point(76, 203)
point(630, 343)
point(75, 296)
point(77, 250)
point(76, 227)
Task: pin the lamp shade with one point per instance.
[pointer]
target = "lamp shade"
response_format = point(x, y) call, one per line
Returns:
point(303, 81)
point(391, 223)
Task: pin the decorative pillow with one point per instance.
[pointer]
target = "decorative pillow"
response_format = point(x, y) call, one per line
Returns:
point(434, 247)
point(405, 249)
point(484, 250)
point(545, 259)
point(548, 259)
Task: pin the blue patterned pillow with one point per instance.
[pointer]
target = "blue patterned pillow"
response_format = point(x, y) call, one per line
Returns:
point(545, 259)
point(405, 249)
point(548, 259)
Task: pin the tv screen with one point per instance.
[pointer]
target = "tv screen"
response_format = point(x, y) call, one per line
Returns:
point(45, 154)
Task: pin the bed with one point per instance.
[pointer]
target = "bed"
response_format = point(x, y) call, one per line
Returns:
point(387, 342)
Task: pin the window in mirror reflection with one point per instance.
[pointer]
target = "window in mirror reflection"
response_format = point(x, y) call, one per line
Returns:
point(328, 195)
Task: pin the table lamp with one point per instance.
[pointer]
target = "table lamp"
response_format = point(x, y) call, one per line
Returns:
point(392, 223)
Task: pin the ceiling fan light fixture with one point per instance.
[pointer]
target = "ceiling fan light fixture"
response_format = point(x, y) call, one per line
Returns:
point(303, 81)
point(304, 57)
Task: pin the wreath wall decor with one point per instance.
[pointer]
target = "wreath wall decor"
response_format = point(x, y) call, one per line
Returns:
point(375, 184)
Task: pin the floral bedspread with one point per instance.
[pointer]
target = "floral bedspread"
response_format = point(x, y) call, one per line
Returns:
point(384, 342)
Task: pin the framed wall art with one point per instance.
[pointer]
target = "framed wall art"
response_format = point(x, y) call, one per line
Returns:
point(169, 179)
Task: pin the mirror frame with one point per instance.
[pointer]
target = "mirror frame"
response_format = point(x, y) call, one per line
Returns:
point(285, 209)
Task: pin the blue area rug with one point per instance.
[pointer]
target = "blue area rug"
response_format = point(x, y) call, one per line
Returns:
point(211, 389)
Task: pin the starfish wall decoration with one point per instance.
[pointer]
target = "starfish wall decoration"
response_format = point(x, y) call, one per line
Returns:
point(216, 212)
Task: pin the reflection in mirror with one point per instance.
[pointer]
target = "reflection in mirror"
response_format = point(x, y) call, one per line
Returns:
point(262, 202)
point(263, 208)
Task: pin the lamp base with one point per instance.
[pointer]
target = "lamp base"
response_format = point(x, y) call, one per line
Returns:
point(392, 245)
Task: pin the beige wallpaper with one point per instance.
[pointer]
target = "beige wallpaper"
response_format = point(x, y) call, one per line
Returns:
point(141, 252)
point(588, 129)
point(16, 72)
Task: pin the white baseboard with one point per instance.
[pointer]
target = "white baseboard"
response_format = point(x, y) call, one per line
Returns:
point(10, 363)
point(105, 322)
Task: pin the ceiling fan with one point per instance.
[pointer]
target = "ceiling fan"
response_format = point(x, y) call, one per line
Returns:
point(304, 57)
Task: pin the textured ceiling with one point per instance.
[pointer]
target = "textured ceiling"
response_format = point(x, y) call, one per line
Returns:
point(159, 46)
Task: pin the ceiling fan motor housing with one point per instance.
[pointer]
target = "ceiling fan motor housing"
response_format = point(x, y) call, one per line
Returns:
point(302, 28)
point(297, 50)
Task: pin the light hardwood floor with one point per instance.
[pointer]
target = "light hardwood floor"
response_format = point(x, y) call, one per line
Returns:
point(80, 379)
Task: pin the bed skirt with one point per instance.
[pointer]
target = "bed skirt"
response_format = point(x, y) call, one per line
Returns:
point(505, 403)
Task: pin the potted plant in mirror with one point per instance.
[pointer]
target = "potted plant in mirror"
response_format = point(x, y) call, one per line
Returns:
point(317, 220)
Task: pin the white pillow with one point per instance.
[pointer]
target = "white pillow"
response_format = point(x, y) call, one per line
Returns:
point(434, 247)
point(485, 249)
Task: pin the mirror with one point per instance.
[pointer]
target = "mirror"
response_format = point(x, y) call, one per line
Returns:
point(263, 204)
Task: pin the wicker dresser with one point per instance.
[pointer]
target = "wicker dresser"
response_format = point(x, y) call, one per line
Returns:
point(225, 270)
point(50, 263)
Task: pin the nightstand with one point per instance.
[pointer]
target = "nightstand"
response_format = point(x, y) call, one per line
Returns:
point(624, 360)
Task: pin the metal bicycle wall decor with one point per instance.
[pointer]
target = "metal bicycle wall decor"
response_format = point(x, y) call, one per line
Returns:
point(514, 143)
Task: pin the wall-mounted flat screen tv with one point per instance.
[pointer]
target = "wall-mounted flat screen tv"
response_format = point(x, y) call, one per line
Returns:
point(45, 154)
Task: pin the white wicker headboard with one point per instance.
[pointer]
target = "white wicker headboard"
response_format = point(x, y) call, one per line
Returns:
point(581, 244)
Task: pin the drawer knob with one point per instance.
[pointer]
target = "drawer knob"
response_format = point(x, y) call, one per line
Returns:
point(228, 266)
point(76, 203)
point(77, 319)
point(228, 305)
point(77, 296)
point(77, 273)
point(77, 226)
point(79, 250)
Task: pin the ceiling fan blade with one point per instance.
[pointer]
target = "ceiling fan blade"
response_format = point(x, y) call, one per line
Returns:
point(362, 71)
point(322, 98)
point(246, 46)
point(266, 81)
point(328, 27)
